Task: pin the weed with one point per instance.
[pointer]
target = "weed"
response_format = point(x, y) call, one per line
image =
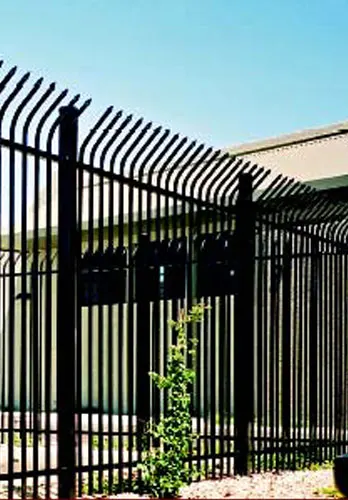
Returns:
point(165, 467)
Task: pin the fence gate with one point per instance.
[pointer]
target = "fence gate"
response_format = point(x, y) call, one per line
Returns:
point(107, 231)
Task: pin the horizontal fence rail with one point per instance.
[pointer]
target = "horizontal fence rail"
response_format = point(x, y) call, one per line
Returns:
point(107, 234)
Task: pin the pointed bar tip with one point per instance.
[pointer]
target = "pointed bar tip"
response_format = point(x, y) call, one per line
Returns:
point(74, 100)
point(85, 105)
point(12, 71)
point(38, 82)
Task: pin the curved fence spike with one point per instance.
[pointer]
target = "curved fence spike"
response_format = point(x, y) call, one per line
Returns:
point(171, 167)
point(190, 168)
point(224, 162)
point(142, 150)
point(25, 101)
point(171, 156)
point(57, 121)
point(178, 170)
point(93, 131)
point(284, 188)
point(183, 164)
point(232, 190)
point(35, 110)
point(296, 191)
point(136, 140)
point(321, 208)
point(275, 184)
point(167, 150)
point(7, 78)
point(19, 86)
point(168, 166)
point(84, 106)
point(235, 166)
point(195, 176)
point(46, 116)
point(151, 153)
point(260, 175)
point(124, 141)
point(99, 140)
point(230, 183)
point(342, 232)
point(262, 179)
point(114, 137)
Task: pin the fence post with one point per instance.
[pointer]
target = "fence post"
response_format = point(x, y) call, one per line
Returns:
point(66, 300)
point(244, 325)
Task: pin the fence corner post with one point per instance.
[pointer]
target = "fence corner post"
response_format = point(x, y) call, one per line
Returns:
point(66, 313)
point(244, 325)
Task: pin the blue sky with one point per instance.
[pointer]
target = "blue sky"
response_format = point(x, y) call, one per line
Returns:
point(221, 71)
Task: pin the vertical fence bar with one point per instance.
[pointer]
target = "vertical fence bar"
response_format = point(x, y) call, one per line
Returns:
point(321, 366)
point(244, 324)
point(313, 349)
point(11, 324)
point(299, 353)
point(260, 344)
point(222, 375)
point(286, 348)
point(66, 301)
point(229, 359)
point(100, 337)
point(273, 332)
point(111, 344)
point(305, 371)
point(277, 341)
point(326, 277)
point(344, 326)
point(201, 271)
point(131, 331)
point(338, 353)
point(331, 338)
point(48, 334)
point(143, 336)
point(90, 333)
point(267, 326)
point(24, 329)
point(35, 318)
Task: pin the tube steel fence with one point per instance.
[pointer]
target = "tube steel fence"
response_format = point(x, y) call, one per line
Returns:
point(106, 238)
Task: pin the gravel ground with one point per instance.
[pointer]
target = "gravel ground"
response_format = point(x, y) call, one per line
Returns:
point(301, 484)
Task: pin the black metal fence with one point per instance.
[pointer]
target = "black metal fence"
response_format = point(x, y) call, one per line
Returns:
point(102, 241)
